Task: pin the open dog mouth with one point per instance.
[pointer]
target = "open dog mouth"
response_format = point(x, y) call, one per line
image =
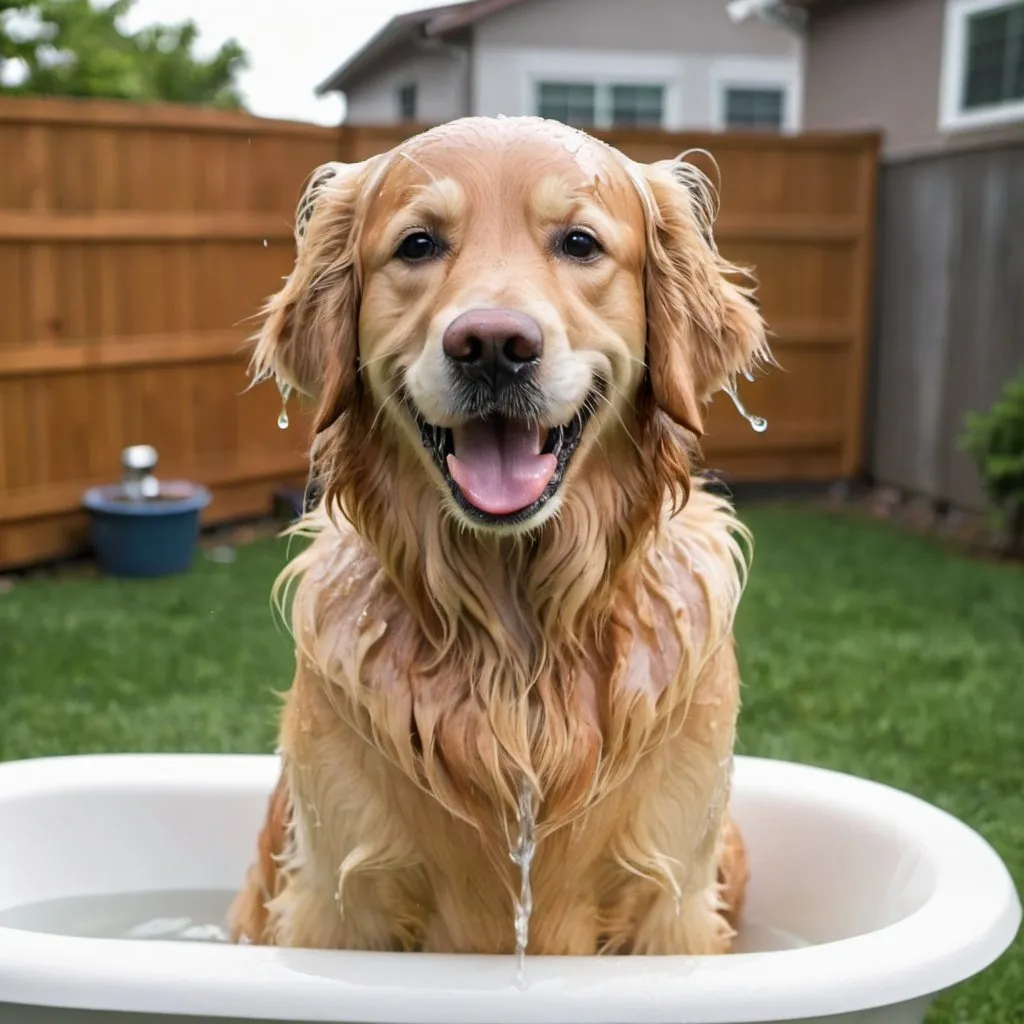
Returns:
point(502, 471)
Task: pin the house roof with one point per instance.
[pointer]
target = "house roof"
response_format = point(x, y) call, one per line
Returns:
point(427, 23)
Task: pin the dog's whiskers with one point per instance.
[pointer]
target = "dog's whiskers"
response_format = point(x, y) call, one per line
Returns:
point(363, 363)
point(383, 405)
point(618, 415)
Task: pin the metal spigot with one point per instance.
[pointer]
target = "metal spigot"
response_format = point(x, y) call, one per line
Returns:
point(138, 462)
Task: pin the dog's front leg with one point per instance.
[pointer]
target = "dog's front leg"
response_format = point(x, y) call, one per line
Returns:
point(692, 923)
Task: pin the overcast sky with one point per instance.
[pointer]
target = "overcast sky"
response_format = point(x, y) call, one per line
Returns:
point(293, 44)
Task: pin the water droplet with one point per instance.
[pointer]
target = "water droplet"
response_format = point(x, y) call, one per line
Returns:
point(757, 423)
point(264, 243)
point(749, 376)
point(286, 390)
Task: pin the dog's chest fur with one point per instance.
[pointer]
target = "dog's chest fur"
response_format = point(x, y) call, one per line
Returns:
point(404, 767)
point(500, 703)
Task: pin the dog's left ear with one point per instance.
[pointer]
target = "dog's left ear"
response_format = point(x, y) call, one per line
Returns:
point(703, 326)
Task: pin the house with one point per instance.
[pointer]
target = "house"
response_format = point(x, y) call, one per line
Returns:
point(672, 64)
point(932, 75)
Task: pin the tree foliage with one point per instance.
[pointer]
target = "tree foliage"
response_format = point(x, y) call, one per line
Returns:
point(81, 48)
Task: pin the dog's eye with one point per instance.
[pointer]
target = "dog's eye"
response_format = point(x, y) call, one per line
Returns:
point(417, 247)
point(580, 245)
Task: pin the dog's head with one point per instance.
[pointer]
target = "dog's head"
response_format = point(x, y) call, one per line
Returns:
point(509, 301)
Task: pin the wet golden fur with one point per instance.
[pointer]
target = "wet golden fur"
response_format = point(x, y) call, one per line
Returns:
point(588, 655)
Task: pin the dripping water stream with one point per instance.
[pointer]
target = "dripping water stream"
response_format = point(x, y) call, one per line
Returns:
point(757, 423)
point(286, 391)
point(522, 856)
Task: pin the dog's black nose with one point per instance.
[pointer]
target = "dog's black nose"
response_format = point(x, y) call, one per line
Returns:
point(493, 346)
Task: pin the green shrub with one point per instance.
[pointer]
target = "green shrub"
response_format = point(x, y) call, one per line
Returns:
point(996, 441)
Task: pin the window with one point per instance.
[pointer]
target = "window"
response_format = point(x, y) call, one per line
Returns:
point(995, 57)
point(754, 108)
point(982, 63)
point(637, 106)
point(585, 105)
point(567, 102)
point(756, 94)
point(407, 102)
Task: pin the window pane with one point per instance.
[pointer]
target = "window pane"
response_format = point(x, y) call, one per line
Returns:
point(1015, 56)
point(754, 108)
point(570, 103)
point(1017, 68)
point(407, 102)
point(637, 105)
point(995, 57)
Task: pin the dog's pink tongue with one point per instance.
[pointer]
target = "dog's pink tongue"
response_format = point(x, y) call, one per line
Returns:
point(498, 466)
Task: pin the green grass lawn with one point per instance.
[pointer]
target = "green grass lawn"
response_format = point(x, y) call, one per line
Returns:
point(863, 649)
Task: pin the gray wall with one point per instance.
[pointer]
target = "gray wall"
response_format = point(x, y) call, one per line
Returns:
point(682, 26)
point(877, 65)
point(442, 80)
point(950, 312)
point(689, 46)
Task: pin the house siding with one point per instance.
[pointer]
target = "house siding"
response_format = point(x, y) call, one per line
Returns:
point(690, 46)
point(681, 26)
point(877, 65)
point(442, 86)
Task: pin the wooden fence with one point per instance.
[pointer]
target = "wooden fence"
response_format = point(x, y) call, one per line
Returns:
point(135, 242)
point(950, 313)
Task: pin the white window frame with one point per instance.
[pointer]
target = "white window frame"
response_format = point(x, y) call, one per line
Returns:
point(952, 117)
point(601, 70)
point(740, 73)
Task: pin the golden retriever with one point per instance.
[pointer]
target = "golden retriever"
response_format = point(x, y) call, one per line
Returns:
point(515, 588)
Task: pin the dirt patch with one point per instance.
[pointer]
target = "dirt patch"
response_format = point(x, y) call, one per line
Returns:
point(971, 534)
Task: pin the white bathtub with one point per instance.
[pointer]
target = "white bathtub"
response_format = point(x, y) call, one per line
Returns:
point(895, 899)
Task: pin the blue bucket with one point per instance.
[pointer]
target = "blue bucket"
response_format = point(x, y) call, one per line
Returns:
point(147, 538)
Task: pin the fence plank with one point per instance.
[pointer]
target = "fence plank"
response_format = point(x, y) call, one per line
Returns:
point(132, 350)
point(138, 242)
point(141, 227)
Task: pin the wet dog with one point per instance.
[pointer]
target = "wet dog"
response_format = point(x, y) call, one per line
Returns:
point(518, 596)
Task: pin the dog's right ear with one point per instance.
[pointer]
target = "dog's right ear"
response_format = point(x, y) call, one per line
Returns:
point(308, 339)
